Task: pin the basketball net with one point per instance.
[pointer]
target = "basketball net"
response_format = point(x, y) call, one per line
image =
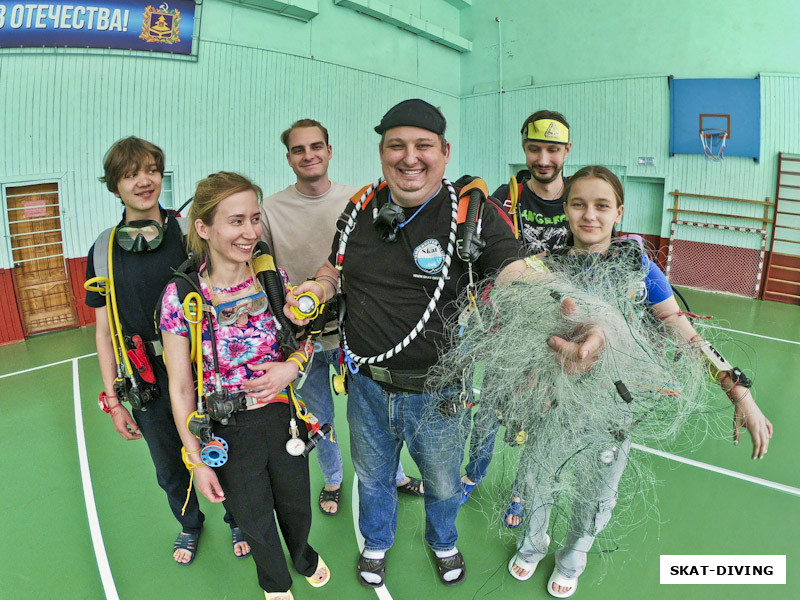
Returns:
point(713, 141)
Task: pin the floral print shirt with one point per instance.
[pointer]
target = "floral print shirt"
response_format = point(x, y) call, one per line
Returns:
point(237, 347)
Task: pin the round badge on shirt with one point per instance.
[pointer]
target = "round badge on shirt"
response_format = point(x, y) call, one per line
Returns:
point(429, 256)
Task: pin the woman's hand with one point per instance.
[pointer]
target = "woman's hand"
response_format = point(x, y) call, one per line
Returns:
point(206, 482)
point(277, 376)
point(746, 413)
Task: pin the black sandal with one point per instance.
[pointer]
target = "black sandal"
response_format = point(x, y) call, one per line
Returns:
point(376, 566)
point(413, 487)
point(188, 542)
point(330, 496)
point(451, 563)
point(237, 537)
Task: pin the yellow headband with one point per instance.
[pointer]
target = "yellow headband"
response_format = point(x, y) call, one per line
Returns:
point(547, 130)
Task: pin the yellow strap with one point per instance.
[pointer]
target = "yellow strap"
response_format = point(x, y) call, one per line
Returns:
point(324, 292)
point(513, 194)
point(191, 467)
point(299, 405)
point(297, 362)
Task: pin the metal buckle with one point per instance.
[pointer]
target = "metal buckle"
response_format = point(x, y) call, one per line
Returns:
point(381, 374)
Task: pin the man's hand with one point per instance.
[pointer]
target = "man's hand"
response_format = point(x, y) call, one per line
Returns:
point(124, 423)
point(746, 413)
point(578, 355)
point(277, 375)
point(291, 300)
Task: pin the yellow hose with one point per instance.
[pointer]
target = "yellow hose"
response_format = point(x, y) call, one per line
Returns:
point(193, 313)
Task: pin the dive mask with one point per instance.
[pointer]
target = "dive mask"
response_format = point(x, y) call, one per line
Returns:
point(140, 236)
point(228, 312)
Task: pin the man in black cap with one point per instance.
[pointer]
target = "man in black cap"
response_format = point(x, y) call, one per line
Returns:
point(394, 256)
point(400, 277)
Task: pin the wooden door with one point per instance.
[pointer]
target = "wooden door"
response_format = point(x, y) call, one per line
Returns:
point(40, 273)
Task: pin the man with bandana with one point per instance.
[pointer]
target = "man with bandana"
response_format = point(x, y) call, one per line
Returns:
point(536, 205)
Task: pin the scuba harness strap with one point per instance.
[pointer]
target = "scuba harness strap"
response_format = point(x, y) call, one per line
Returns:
point(464, 240)
point(136, 386)
point(513, 209)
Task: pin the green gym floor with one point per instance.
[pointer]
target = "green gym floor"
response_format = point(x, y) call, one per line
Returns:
point(83, 518)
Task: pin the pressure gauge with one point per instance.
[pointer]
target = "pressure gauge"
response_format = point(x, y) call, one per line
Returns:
point(295, 446)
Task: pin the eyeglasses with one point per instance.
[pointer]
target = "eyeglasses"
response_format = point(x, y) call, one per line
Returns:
point(227, 313)
point(140, 236)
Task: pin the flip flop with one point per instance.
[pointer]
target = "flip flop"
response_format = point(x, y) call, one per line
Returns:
point(330, 496)
point(530, 567)
point(237, 537)
point(451, 563)
point(377, 566)
point(272, 595)
point(320, 565)
point(515, 509)
point(188, 542)
point(559, 579)
point(413, 487)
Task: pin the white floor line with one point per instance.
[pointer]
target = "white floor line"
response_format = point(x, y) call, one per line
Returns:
point(701, 465)
point(381, 592)
point(88, 493)
point(60, 362)
point(758, 335)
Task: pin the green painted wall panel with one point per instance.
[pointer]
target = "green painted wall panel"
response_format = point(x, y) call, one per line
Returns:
point(224, 112)
point(643, 206)
point(576, 40)
point(256, 72)
point(341, 36)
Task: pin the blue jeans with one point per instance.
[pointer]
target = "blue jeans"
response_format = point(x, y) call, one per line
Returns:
point(316, 393)
point(380, 422)
point(481, 442)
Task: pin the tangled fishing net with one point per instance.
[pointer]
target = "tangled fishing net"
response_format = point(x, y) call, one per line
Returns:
point(570, 428)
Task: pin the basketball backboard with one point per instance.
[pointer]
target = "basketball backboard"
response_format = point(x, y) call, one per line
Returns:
point(714, 106)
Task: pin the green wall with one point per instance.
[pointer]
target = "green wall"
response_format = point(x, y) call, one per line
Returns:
point(604, 65)
point(577, 40)
point(255, 73)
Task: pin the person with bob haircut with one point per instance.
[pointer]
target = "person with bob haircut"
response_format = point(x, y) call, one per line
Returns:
point(594, 205)
point(261, 480)
point(148, 246)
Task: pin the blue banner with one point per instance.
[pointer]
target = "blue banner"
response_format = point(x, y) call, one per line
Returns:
point(125, 25)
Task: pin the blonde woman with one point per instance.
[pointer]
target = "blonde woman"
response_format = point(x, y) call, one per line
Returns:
point(260, 479)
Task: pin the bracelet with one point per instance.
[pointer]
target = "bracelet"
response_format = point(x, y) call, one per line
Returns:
point(117, 405)
point(329, 279)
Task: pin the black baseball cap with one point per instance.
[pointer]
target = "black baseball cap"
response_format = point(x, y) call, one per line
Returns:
point(413, 113)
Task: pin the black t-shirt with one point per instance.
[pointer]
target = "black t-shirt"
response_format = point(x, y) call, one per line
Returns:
point(139, 279)
point(543, 224)
point(388, 285)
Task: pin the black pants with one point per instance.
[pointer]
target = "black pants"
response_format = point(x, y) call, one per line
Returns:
point(158, 429)
point(261, 477)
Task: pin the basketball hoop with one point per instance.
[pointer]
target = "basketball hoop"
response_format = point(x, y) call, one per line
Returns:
point(713, 141)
